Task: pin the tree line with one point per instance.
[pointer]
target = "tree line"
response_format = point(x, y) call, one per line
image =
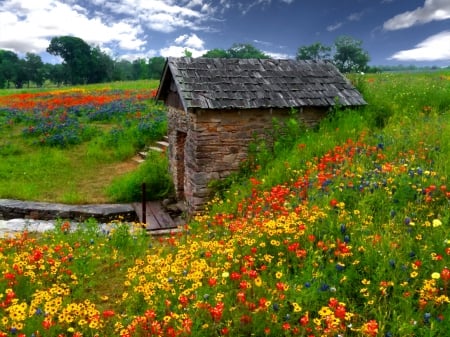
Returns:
point(83, 64)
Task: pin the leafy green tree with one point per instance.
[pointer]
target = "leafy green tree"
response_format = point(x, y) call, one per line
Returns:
point(57, 73)
point(315, 51)
point(9, 65)
point(156, 67)
point(123, 71)
point(350, 56)
point(216, 53)
point(245, 51)
point(140, 69)
point(102, 67)
point(22, 76)
point(35, 69)
point(76, 54)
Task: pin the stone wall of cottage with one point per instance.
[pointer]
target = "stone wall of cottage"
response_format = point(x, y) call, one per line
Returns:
point(207, 145)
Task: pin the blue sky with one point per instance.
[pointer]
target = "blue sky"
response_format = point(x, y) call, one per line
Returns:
point(392, 31)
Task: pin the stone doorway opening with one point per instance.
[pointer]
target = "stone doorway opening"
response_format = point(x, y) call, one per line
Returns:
point(179, 174)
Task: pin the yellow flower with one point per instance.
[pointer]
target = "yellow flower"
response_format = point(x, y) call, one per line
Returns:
point(325, 311)
point(297, 308)
point(258, 281)
point(413, 274)
point(279, 274)
point(437, 223)
point(435, 276)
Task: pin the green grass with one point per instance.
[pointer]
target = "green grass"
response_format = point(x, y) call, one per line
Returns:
point(344, 233)
point(82, 172)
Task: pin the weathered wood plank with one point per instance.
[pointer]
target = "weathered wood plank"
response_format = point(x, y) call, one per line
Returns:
point(156, 217)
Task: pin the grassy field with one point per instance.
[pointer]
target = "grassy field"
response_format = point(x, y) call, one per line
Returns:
point(70, 144)
point(340, 231)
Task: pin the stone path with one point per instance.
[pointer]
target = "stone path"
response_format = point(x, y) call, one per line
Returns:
point(17, 215)
point(10, 227)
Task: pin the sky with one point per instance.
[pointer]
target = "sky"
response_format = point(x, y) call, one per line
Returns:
point(392, 31)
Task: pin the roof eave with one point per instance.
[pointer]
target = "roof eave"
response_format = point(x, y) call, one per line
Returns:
point(165, 80)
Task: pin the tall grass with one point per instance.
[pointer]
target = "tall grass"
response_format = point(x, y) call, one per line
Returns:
point(61, 151)
point(345, 233)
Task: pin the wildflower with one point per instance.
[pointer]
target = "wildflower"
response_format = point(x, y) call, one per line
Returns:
point(297, 307)
point(445, 274)
point(370, 328)
point(435, 276)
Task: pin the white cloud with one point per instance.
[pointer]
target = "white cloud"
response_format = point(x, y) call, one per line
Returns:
point(182, 43)
point(191, 41)
point(122, 25)
point(332, 28)
point(356, 16)
point(163, 15)
point(434, 48)
point(35, 23)
point(432, 10)
point(280, 56)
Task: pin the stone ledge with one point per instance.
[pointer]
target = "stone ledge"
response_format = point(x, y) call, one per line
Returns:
point(13, 209)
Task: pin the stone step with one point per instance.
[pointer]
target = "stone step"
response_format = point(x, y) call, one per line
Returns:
point(163, 143)
point(155, 148)
point(160, 146)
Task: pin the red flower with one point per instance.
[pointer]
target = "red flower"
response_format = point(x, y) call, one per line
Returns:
point(445, 274)
point(371, 328)
point(216, 311)
point(184, 300)
point(333, 302)
point(212, 281)
point(340, 312)
point(47, 323)
point(304, 320)
point(235, 276)
point(253, 274)
point(241, 296)
point(108, 313)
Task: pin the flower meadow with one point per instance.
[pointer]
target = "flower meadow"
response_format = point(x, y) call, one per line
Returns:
point(67, 117)
point(71, 145)
point(344, 234)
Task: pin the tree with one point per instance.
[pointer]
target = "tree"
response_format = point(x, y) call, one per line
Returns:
point(35, 69)
point(349, 56)
point(216, 53)
point(102, 67)
point(57, 73)
point(9, 64)
point(245, 51)
point(76, 54)
point(22, 76)
point(315, 51)
point(139, 69)
point(156, 67)
point(123, 71)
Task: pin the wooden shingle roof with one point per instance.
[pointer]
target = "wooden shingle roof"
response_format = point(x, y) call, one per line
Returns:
point(215, 83)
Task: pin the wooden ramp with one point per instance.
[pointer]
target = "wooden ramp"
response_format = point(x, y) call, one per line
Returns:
point(156, 219)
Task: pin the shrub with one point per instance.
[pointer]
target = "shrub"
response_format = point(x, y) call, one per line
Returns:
point(153, 172)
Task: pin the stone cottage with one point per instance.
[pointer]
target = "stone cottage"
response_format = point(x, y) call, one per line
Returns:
point(216, 106)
